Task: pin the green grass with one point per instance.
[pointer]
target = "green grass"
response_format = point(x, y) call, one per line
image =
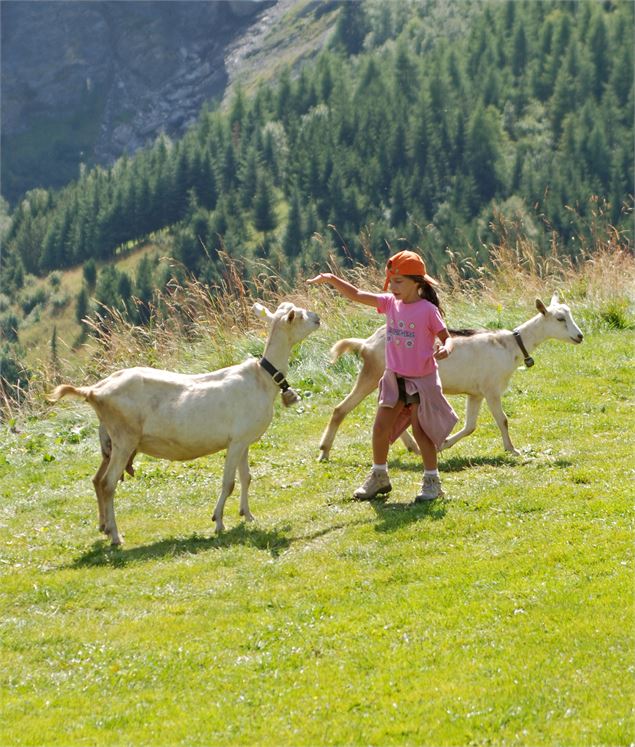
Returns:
point(502, 615)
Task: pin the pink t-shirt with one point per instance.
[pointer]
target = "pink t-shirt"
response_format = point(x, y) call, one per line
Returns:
point(411, 329)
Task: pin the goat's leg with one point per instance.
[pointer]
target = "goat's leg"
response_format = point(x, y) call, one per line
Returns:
point(495, 405)
point(232, 458)
point(107, 485)
point(97, 485)
point(366, 382)
point(245, 479)
point(409, 442)
point(106, 447)
point(471, 414)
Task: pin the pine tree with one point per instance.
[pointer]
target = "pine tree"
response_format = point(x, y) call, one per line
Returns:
point(293, 234)
point(206, 190)
point(599, 157)
point(325, 78)
point(144, 288)
point(598, 40)
point(249, 178)
point(124, 293)
point(406, 78)
point(264, 213)
point(89, 271)
point(106, 290)
point(229, 168)
point(283, 98)
point(563, 99)
point(81, 306)
point(622, 71)
point(519, 52)
point(351, 27)
point(398, 208)
point(182, 184)
point(237, 109)
point(483, 152)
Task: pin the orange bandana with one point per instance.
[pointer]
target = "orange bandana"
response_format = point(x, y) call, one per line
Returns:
point(406, 263)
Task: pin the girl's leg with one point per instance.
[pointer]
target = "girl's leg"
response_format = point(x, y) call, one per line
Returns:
point(384, 422)
point(378, 482)
point(431, 485)
point(427, 448)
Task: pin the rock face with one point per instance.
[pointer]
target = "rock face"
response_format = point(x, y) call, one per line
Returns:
point(105, 77)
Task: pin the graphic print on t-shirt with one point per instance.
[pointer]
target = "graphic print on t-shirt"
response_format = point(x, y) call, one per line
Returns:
point(401, 334)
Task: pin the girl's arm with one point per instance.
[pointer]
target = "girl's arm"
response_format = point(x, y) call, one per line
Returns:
point(446, 345)
point(346, 289)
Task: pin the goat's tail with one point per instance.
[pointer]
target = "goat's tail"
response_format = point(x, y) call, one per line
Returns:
point(64, 390)
point(354, 344)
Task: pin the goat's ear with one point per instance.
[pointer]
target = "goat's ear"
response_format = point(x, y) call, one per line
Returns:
point(262, 312)
point(541, 307)
point(291, 315)
point(555, 298)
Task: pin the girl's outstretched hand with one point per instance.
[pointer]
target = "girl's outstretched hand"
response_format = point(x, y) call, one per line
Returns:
point(323, 277)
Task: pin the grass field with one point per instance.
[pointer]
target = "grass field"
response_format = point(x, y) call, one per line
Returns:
point(501, 615)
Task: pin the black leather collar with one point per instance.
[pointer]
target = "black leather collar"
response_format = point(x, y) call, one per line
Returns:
point(276, 375)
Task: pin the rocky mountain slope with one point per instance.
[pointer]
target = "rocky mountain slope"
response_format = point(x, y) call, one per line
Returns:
point(84, 82)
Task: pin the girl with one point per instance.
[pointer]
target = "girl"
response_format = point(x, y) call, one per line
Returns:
point(413, 321)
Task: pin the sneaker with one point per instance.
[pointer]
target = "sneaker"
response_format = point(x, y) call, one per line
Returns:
point(430, 489)
point(377, 483)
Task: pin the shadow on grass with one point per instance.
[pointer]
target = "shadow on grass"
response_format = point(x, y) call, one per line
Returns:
point(309, 537)
point(455, 463)
point(458, 464)
point(393, 516)
point(102, 554)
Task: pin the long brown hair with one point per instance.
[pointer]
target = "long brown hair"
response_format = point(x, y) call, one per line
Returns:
point(427, 291)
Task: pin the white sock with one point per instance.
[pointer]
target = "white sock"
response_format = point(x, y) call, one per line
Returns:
point(431, 472)
point(380, 468)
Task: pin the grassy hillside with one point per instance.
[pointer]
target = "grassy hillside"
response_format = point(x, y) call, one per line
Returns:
point(52, 300)
point(52, 305)
point(501, 615)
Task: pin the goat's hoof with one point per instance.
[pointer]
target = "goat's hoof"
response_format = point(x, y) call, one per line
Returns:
point(116, 543)
point(324, 456)
point(248, 516)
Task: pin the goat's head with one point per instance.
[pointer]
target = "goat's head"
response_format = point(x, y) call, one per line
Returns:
point(559, 322)
point(292, 321)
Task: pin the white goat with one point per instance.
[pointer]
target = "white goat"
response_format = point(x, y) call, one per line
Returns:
point(480, 365)
point(180, 417)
